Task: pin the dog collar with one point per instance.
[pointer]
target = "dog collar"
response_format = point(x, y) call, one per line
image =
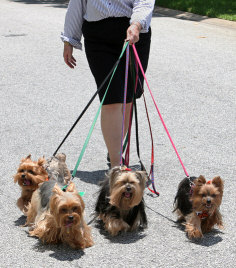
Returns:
point(209, 182)
point(64, 190)
point(202, 214)
point(128, 169)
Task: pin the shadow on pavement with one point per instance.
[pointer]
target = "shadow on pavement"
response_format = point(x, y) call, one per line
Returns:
point(160, 214)
point(122, 238)
point(93, 177)
point(20, 221)
point(208, 240)
point(60, 252)
point(53, 3)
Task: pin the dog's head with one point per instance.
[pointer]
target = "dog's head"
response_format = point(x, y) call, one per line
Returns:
point(207, 196)
point(126, 187)
point(30, 173)
point(67, 207)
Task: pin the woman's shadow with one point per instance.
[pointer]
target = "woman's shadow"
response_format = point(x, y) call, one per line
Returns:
point(92, 177)
point(97, 176)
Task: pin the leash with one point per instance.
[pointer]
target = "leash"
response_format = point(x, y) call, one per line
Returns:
point(96, 116)
point(124, 103)
point(163, 123)
point(89, 103)
point(151, 173)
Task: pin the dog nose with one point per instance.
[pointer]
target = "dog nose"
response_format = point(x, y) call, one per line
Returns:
point(208, 200)
point(128, 188)
point(23, 176)
point(70, 217)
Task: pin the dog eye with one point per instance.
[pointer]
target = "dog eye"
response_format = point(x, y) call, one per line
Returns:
point(22, 170)
point(31, 172)
point(203, 195)
point(213, 195)
point(64, 210)
point(74, 209)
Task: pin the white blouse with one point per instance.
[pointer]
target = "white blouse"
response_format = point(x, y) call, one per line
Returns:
point(95, 10)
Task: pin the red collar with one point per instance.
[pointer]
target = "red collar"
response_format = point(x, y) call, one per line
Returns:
point(202, 214)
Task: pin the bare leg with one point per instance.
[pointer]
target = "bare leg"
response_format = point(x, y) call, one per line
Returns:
point(111, 124)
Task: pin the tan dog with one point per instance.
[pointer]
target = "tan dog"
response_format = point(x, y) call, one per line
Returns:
point(56, 216)
point(120, 203)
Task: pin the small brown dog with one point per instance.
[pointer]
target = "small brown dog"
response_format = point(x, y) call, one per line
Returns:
point(29, 175)
point(56, 166)
point(120, 204)
point(198, 201)
point(56, 216)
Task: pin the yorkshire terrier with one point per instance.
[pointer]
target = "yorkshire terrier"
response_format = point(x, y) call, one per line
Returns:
point(31, 173)
point(197, 202)
point(120, 203)
point(57, 164)
point(56, 214)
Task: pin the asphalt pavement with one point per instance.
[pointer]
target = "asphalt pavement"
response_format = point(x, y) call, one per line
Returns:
point(192, 74)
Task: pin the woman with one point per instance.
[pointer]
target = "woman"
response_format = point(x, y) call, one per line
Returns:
point(105, 24)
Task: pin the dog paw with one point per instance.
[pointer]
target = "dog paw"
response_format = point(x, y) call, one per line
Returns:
point(195, 233)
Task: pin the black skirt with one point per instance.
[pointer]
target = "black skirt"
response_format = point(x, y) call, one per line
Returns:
point(103, 41)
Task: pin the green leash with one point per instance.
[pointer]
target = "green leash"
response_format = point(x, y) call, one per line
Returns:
point(96, 117)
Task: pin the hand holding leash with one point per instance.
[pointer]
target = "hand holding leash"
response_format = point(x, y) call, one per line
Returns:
point(133, 33)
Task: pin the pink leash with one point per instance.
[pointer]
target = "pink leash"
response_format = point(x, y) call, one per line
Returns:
point(163, 123)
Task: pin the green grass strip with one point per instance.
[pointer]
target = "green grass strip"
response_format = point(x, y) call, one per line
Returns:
point(222, 9)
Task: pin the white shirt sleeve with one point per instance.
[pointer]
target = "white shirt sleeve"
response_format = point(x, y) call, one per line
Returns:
point(73, 23)
point(142, 13)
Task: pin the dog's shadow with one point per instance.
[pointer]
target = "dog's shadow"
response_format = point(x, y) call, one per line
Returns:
point(208, 240)
point(121, 238)
point(61, 252)
point(21, 221)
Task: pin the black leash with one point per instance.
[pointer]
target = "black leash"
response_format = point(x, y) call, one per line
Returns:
point(86, 107)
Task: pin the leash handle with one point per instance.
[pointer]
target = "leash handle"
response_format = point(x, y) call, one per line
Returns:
point(163, 123)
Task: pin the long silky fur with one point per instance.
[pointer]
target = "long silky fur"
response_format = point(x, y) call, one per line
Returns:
point(182, 201)
point(104, 207)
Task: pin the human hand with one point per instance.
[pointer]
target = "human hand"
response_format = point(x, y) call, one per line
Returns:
point(133, 32)
point(67, 54)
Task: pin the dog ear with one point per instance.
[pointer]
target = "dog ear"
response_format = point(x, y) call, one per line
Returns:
point(41, 161)
point(71, 187)
point(27, 157)
point(82, 203)
point(57, 190)
point(218, 182)
point(200, 180)
point(142, 176)
point(61, 157)
point(114, 171)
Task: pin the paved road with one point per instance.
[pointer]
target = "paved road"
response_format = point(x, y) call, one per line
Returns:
point(192, 74)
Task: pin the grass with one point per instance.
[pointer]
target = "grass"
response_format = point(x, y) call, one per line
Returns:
point(222, 9)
